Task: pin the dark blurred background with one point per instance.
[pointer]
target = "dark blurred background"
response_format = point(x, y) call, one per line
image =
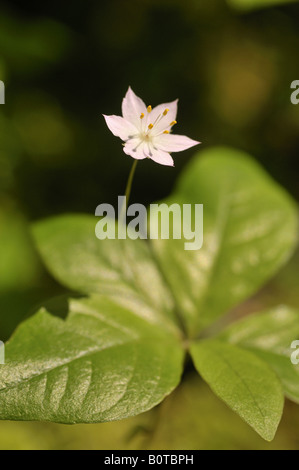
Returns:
point(66, 63)
point(230, 63)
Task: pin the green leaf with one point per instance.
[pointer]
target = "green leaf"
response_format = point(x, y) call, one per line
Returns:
point(194, 418)
point(270, 335)
point(250, 231)
point(243, 381)
point(103, 363)
point(285, 370)
point(121, 269)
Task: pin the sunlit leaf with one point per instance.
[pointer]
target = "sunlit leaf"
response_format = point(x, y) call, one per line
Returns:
point(242, 381)
point(250, 231)
point(103, 363)
point(270, 335)
point(122, 269)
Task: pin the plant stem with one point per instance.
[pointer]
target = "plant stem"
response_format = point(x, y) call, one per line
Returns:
point(129, 182)
point(128, 191)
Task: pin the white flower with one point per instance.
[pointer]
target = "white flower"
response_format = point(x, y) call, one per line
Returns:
point(146, 131)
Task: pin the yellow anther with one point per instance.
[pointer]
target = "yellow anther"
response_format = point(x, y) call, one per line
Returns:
point(166, 132)
point(165, 111)
point(173, 123)
point(150, 126)
point(141, 116)
point(149, 108)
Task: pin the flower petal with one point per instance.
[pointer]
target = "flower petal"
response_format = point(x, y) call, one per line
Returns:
point(120, 127)
point(135, 148)
point(161, 157)
point(132, 108)
point(172, 107)
point(165, 121)
point(174, 143)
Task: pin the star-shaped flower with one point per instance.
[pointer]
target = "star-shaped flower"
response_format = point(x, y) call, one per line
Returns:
point(146, 131)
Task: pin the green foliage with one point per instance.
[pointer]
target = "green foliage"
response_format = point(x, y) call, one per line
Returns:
point(103, 363)
point(122, 269)
point(250, 229)
point(120, 350)
point(270, 335)
point(189, 418)
point(243, 381)
point(194, 418)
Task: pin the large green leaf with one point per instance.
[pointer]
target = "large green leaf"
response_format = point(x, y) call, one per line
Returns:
point(103, 363)
point(250, 230)
point(121, 269)
point(270, 335)
point(243, 381)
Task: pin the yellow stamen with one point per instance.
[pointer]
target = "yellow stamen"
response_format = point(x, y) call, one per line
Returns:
point(166, 132)
point(165, 112)
point(141, 116)
point(149, 108)
point(173, 123)
point(150, 126)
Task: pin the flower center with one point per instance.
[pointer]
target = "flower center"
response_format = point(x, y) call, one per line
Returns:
point(147, 135)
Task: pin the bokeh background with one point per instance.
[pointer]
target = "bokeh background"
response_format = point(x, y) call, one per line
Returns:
point(231, 64)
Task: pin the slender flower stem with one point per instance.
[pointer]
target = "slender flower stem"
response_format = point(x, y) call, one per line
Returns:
point(130, 181)
point(128, 191)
